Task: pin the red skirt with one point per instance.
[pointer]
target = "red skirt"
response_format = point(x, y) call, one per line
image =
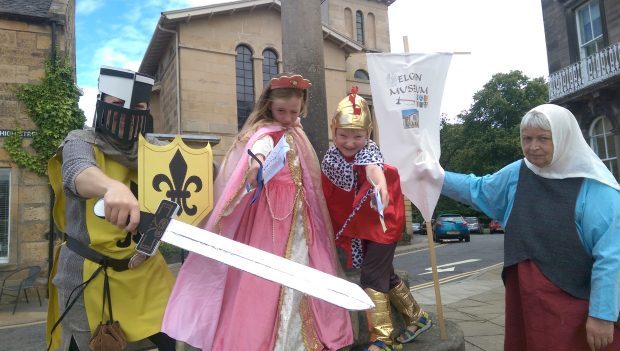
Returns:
point(542, 317)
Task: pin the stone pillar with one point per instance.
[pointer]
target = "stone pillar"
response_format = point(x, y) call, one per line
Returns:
point(408, 215)
point(302, 52)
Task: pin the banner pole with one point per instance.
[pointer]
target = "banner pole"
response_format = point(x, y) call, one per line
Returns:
point(438, 304)
point(433, 256)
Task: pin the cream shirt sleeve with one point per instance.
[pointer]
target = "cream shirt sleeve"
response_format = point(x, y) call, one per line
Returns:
point(262, 146)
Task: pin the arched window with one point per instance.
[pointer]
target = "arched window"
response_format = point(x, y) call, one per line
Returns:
point(359, 26)
point(270, 65)
point(245, 84)
point(603, 143)
point(348, 22)
point(371, 33)
point(360, 74)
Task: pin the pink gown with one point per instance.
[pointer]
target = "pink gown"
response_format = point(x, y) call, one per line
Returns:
point(215, 307)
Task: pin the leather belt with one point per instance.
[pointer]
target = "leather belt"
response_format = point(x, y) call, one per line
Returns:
point(94, 256)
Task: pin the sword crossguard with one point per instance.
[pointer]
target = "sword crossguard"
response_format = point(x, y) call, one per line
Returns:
point(153, 226)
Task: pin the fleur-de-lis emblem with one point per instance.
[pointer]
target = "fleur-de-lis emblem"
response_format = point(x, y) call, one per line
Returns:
point(178, 186)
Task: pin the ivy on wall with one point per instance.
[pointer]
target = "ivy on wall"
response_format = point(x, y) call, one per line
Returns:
point(53, 107)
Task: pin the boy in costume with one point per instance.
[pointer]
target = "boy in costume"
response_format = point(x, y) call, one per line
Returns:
point(351, 169)
point(102, 163)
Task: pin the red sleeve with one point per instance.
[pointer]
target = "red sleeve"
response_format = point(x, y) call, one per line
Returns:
point(366, 224)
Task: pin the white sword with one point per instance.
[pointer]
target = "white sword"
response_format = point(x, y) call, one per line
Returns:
point(161, 226)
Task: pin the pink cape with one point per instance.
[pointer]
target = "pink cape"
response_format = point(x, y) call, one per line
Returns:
point(213, 306)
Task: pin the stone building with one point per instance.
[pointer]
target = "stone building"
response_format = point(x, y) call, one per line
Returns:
point(211, 62)
point(583, 52)
point(30, 32)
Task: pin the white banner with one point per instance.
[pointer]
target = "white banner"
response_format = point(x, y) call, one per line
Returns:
point(406, 95)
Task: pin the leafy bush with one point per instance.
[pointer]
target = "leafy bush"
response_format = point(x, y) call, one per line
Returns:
point(53, 107)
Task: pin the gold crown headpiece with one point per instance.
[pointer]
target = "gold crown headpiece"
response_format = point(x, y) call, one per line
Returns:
point(292, 82)
point(352, 113)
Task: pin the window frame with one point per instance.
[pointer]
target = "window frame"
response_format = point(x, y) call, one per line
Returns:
point(359, 26)
point(597, 41)
point(268, 66)
point(610, 156)
point(247, 94)
point(6, 246)
point(365, 79)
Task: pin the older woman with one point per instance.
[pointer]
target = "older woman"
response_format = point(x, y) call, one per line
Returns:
point(561, 210)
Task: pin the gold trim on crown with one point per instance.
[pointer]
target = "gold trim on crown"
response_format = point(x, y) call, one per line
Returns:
point(291, 82)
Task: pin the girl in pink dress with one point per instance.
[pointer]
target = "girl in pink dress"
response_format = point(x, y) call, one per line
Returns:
point(216, 307)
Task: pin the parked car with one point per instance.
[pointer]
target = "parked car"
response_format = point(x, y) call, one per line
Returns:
point(416, 228)
point(450, 226)
point(473, 224)
point(424, 226)
point(495, 226)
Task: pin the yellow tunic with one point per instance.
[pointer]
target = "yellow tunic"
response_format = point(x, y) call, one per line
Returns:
point(139, 295)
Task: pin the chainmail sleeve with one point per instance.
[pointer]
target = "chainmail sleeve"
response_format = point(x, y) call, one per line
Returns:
point(77, 155)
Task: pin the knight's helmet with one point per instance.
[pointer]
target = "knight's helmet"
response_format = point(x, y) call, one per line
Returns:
point(122, 122)
point(352, 113)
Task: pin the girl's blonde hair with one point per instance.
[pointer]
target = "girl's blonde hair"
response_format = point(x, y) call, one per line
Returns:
point(261, 114)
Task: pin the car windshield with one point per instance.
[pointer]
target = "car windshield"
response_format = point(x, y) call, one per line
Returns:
point(471, 219)
point(452, 219)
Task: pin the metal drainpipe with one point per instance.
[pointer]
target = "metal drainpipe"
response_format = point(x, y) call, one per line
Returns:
point(53, 51)
point(178, 63)
point(51, 235)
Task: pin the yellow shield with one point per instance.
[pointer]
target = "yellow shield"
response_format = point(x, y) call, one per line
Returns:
point(178, 173)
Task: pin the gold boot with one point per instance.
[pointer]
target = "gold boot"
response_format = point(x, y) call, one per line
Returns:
point(379, 318)
point(401, 298)
point(404, 302)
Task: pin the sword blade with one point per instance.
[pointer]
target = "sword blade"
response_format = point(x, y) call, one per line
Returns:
point(268, 266)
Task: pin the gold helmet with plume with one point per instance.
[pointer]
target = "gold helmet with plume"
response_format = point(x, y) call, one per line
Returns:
point(352, 113)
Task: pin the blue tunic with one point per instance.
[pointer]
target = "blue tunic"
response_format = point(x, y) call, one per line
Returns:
point(597, 218)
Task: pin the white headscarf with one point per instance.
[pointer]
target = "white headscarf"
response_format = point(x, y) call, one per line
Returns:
point(572, 156)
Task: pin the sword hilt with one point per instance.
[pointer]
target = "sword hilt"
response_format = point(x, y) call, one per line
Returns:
point(152, 226)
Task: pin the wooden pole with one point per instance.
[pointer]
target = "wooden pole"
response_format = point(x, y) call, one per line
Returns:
point(433, 256)
point(438, 304)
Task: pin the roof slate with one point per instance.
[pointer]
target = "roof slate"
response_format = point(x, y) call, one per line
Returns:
point(27, 8)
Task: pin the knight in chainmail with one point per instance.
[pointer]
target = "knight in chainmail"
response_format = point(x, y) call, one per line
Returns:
point(94, 163)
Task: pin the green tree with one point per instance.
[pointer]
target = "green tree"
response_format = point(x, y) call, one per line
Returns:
point(486, 137)
point(490, 129)
point(53, 107)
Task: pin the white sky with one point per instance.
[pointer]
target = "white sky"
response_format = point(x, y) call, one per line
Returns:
point(502, 35)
